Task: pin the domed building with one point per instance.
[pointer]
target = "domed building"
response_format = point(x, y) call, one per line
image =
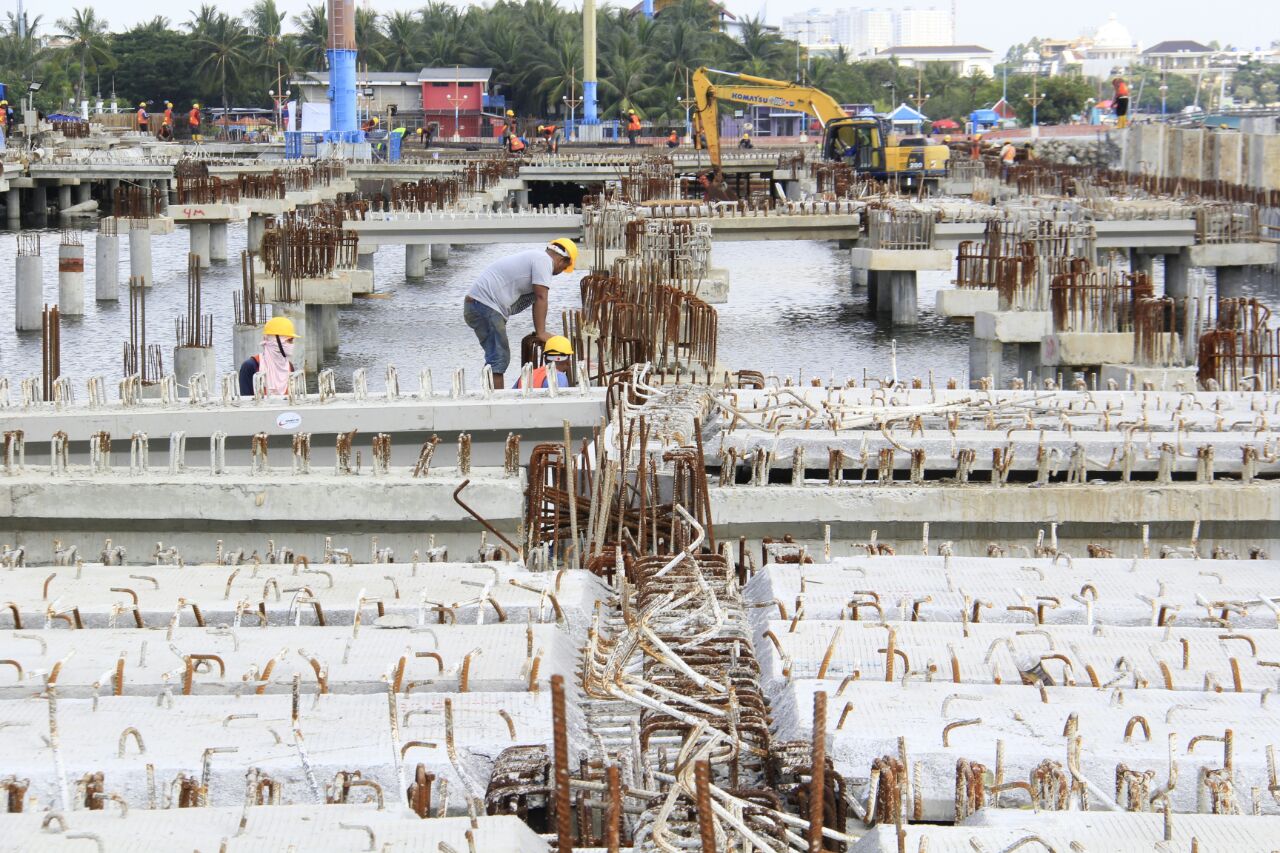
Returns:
point(1112, 49)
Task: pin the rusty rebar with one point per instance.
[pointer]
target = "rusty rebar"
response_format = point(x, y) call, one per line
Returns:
point(817, 781)
point(706, 826)
point(560, 742)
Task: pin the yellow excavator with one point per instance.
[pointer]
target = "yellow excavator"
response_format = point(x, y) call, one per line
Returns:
point(861, 141)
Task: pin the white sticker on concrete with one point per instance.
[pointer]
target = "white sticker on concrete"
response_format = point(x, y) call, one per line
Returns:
point(289, 420)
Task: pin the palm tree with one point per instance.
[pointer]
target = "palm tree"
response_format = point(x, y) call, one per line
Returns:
point(265, 25)
point(86, 34)
point(203, 20)
point(23, 52)
point(313, 35)
point(223, 53)
point(403, 32)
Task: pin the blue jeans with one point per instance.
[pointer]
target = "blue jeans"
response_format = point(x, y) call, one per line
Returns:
point(491, 330)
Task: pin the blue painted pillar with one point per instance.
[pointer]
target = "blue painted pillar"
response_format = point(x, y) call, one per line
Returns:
point(342, 93)
point(589, 115)
point(648, 8)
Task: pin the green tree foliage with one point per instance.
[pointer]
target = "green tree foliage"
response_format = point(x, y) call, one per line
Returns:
point(533, 46)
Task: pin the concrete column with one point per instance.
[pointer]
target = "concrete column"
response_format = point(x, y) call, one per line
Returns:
point(257, 226)
point(188, 361)
point(200, 242)
point(306, 354)
point(416, 260)
point(106, 270)
point(329, 327)
point(440, 252)
point(1231, 281)
point(245, 341)
point(985, 358)
point(13, 208)
point(84, 192)
point(218, 241)
point(40, 203)
point(313, 338)
point(28, 293)
point(64, 201)
point(879, 293)
point(140, 251)
point(1140, 261)
point(165, 188)
point(1029, 361)
point(1177, 274)
point(364, 261)
point(113, 184)
point(71, 279)
point(858, 277)
point(521, 199)
point(903, 304)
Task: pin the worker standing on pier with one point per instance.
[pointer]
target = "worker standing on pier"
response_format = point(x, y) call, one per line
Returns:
point(1008, 154)
point(275, 361)
point(556, 353)
point(4, 119)
point(143, 119)
point(1120, 101)
point(193, 123)
point(673, 139)
point(166, 122)
point(633, 126)
point(509, 286)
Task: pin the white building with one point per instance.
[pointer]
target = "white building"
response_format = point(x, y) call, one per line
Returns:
point(963, 59)
point(871, 31)
point(923, 28)
point(1111, 50)
point(812, 27)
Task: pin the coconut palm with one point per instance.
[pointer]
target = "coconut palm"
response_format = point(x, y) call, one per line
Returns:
point(222, 52)
point(402, 31)
point(87, 37)
point(313, 35)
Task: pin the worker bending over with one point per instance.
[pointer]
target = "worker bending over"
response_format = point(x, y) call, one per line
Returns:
point(556, 353)
point(745, 141)
point(553, 136)
point(509, 286)
point(274, 361)
point(1120, 100)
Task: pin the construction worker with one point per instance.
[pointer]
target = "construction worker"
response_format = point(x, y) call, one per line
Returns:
point(193, 123)
point(1120, 101)
point(275, 361)
point(556, 353)
point(633, 126)
point(745, 141)
point(4, 119)
point(975, 148)
point(144, 120)
point(1008, 154)
point(673, 139)
point(509, 286)
point(515, 143)
point(166, 122)
point(553, 136)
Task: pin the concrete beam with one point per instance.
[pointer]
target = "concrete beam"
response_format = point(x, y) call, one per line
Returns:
point(1012, 327)
point(1232, 255)
point(892, 260)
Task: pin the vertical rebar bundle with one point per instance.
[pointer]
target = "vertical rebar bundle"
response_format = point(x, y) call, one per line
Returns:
point(248, 305)
point(195, 329)
point(140, 358)
point(50, 349)
point(1098, 300)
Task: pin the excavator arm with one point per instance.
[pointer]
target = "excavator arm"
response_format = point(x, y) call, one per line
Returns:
point(758, 91)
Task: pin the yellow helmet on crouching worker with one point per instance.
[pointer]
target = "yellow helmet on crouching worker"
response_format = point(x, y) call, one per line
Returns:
point(557, 345)
point(565, 248)
point(281, 327)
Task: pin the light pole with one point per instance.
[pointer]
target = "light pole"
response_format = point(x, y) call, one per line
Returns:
point(892, 86)
point(572, 102)
point(1164, 94)
point(1034, 100)
point(457, 100)
point(280, 99)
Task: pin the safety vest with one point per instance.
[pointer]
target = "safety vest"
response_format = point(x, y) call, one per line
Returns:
point(1009, 153)
point(168, 116)
point(1122, 89)
point(541, 378)
point(549, 131)
point(674, 137)
point(193, 117)
point(634, 122)
point(517, 144)
point(142, 116)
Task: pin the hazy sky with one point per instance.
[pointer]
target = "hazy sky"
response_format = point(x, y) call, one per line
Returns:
point(992, 23)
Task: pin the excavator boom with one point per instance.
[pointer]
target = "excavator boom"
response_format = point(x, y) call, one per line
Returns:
point(756, 91)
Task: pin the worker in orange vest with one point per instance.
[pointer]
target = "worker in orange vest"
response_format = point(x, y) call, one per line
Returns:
point(556, 353)
point(633, 126)
point(193, 123)
point(1120, 101)
point(514, 143)
point(4, 118)
point(166, 121)
point(553, 136)
point(673, 139)
point(143, 119)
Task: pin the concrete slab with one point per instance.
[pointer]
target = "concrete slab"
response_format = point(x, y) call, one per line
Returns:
point(1012, 327)
point(965, 301)
point(1072, 349)
point(1159, 378)
point(158, 225)
point(893, 260)
point(208, 212)
point(1232, 255)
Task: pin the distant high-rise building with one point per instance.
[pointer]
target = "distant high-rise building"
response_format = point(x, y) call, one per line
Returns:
point(812, 27)
point(923, 28)
point(873, 31)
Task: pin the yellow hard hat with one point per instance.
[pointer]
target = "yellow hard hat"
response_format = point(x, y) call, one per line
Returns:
point(946, 138)
point(565, 247)
point(541, 128)
point(142, 104)
point(195, 106)
point(169, 104)
point(511, 112)
point(281, 326)
point(557, 345)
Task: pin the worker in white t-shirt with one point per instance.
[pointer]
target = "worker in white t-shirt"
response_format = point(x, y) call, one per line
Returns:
point(508, 287)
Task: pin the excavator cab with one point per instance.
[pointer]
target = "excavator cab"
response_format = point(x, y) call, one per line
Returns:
point(859, 142)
